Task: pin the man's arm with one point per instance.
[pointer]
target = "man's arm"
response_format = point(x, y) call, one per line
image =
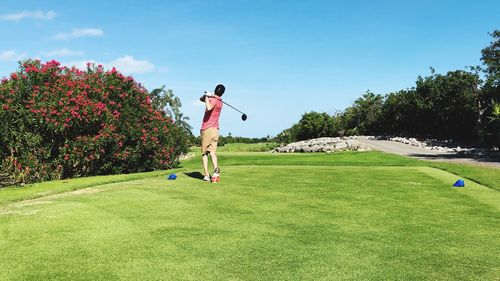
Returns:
point(208, 105)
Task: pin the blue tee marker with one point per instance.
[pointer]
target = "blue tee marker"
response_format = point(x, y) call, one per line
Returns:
point(459, 183)
point(172, 176)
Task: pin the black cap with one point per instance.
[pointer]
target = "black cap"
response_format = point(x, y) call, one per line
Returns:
point(219, 90)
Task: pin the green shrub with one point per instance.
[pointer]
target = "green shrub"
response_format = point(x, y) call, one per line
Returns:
point(60, 122)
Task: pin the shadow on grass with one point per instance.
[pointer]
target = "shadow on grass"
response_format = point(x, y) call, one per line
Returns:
point(195, 175)
point(438, 156)
point(483, 158)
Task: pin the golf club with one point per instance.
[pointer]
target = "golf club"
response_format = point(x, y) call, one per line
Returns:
point(243, 117)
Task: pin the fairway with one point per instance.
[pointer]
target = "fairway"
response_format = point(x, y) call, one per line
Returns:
point(341, 216)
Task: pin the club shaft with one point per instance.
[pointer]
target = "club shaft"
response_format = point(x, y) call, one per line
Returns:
point(232, 107)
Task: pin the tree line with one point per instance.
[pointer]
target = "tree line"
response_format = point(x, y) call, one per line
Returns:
point(461, 104)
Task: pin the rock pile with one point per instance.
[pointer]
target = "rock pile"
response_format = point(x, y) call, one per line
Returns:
point(351, 144)
point(325, 145)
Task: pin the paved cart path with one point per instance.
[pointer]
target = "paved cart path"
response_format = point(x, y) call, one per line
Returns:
point(422, 153)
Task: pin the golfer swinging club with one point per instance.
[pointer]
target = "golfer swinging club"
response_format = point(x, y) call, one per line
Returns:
point(210, 131)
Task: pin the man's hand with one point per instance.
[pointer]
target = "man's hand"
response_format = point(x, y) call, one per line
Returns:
point(206, 95)
point(208, 106)
point(202, 98)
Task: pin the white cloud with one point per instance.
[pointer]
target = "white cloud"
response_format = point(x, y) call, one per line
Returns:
point(11, 55)
point(125, 64)
point(128, 64)
point(39, 15)
point(64, 52)
point(77, 33)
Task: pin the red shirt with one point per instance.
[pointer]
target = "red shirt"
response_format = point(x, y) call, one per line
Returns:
point(211, 118)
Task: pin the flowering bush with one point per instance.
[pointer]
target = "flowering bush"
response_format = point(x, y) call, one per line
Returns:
point(58, 122)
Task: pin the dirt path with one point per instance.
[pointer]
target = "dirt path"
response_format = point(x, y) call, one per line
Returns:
point(422, 153)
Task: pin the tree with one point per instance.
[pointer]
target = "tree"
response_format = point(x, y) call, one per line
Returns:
point(447, 104)
point(165, 100)
point(313, 125)
point(364, 117)
point(491, 59)
point(400, 111)
point(489, 128)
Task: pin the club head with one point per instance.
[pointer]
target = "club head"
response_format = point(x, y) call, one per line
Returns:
point(244, 117)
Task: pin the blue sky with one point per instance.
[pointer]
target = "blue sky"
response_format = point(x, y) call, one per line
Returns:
point(278, 59)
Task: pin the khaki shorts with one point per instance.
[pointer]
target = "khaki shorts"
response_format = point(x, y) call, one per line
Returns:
point(209, 139)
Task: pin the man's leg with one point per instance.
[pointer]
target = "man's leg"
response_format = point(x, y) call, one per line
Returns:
point(215, 176)
point(204, 153)
point(204, 159)
point(214, 160)
point(213, 155)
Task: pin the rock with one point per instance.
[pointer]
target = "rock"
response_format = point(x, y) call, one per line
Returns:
point(329, 145)
point(340, 146)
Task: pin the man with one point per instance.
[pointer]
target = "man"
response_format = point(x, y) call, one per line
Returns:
point(210, 131)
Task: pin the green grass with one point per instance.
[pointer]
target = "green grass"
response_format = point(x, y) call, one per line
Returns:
point(242, 147)
point(355, 216)
point(488, 176)
point(372, 158)
point(247, 147)
point(36, 190)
